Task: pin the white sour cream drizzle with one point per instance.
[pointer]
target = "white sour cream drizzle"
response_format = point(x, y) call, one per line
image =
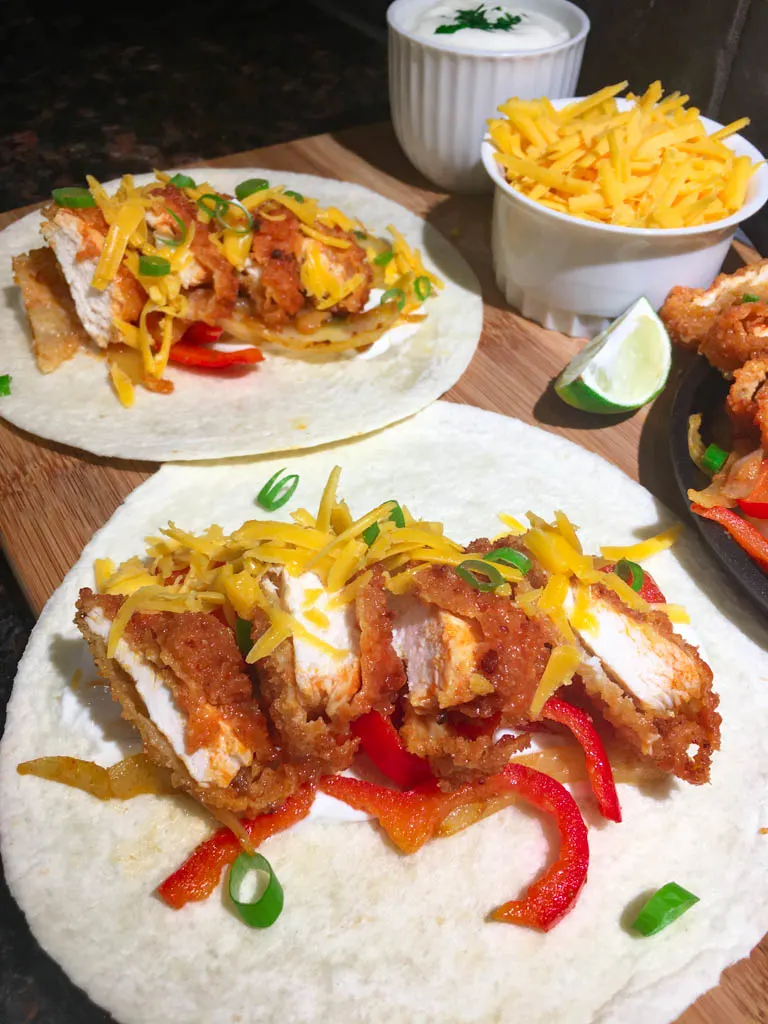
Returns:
point(535, 31)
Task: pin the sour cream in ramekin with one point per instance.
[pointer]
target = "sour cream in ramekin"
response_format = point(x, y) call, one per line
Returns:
point(510, 28)
point(443, 86)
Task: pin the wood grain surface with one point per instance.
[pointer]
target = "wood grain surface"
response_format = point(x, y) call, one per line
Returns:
point(52, 499)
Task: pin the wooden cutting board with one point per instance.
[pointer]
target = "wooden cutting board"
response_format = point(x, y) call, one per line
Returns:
point(52, 499)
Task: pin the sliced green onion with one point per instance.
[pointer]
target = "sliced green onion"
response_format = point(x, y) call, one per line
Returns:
point(247, 188)
point(714, 458)
point(508, 556)
point(243, 636)
point(277, 490)
point(154, 266)
point(665, 906)
point(467, 570)
point(394, 294)
point(218, 207)
point(384, 258)
point(360, 234)
point(263, 910)
point(74, 198)
point(294, 195)
point(423, 288)
point(5, 385)
point(630, 572)
point(238, 231)
point(182, 181)
point(371, 532)
point(748, 297)
point(174, 243)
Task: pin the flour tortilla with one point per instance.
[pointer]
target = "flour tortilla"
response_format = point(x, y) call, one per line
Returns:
point(288, 401)
point(368, 935)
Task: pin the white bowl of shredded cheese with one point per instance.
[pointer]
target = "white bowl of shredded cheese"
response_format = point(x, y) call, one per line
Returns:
point(447, 77)
point(576, 275)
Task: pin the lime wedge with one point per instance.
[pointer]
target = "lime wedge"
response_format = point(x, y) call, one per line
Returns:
point(623, 368)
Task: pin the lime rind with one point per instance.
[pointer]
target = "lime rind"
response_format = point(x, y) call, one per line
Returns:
point(623, 368)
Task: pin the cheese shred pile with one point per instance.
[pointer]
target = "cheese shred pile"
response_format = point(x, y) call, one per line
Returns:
point(236, 573)
point(652, 165)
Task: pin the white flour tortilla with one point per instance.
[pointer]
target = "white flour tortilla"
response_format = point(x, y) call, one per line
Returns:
point(368, 935)
point(287, 401)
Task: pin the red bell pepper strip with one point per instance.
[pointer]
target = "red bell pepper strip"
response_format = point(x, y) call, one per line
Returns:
point(745, 534)
point(212, 358)
point(649, 591)
point(410, 819)
point(756, 502)
point(599, 771)
point(199, 875)
point(379, 739)
point(201, 333)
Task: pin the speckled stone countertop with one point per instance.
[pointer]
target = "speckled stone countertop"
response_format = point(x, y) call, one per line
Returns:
point(103, 96)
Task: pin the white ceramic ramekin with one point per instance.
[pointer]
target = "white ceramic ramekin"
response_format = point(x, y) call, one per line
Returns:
point(442, 94)
point(575, 276)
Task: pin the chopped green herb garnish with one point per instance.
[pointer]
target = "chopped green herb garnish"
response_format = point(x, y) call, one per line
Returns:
point(394, 295)
point(384, 258)
point(713, 459)
point(74, 198)
point(294, 195)
point(479, 574)
point(247, 188)
point(154, 266)
point(263, 910)
point(243, 636)
point(396, 516)
point(477, 17)
point(665, 906)
point(632, 574)
point(277, 490)
point(182, 181)
point(5, 385)
point(360, 234)
point(748, 297)
point(508, 556)
point(174, 243)
point(423, 288)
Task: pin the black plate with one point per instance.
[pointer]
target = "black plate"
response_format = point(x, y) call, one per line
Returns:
point(703, 390)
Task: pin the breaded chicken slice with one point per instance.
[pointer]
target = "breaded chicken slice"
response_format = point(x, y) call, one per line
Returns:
point(689, 313)
point(181, 679)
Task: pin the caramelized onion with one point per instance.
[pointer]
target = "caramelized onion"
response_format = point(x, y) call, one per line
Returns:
point(122, 781)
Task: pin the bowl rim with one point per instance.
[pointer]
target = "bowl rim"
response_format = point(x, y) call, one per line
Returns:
point(749, 208)
point(395, 9)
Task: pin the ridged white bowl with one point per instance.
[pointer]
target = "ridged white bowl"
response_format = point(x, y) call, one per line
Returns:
point(575, 275)
point(442, 94)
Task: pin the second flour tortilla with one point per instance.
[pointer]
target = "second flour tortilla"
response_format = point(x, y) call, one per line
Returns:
point(288, 401)
point(368, 935)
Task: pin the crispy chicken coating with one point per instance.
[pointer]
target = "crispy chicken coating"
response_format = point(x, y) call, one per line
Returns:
point(57, 332)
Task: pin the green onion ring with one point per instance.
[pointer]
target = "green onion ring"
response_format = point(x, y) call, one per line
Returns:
point(174, 243)
point(219, 208)
point(384, 258)
point(665, 906)
point(294, 195)
point(5, 385)
point(154, 266)
point(508, 556)
point(713, 459)
point(182, 181)
point(423, 288)
point(248, 187)
point(466, 571)
point(392, 294)
point(243, 636)
point(73, 198)
point(747, 297)
point(265, 910)
point(237, 231)
point(630, 572)
point(276, 491)
point(370, 533)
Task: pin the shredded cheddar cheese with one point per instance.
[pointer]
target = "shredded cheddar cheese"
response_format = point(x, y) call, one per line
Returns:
point(652, 165)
